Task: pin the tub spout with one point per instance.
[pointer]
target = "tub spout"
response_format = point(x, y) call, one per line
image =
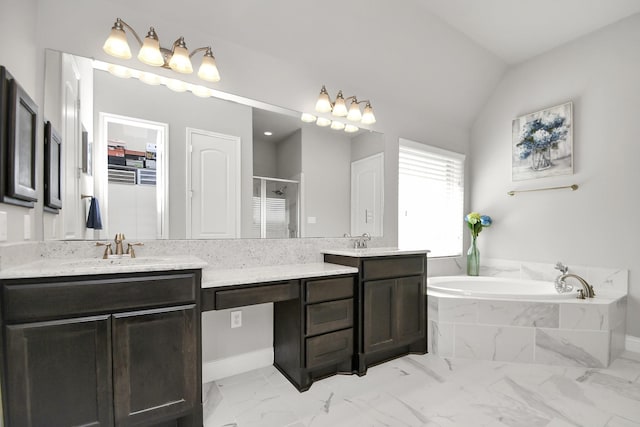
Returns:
point(586, 291)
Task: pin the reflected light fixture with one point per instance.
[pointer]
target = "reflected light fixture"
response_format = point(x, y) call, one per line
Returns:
point(322, 122)
point(336, 125)
point(339, 107)
point(151, 53)
point(308, 118)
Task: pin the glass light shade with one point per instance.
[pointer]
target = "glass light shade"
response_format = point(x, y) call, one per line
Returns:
point(176, 85)
point(367, 117)
point(322, 122)
point(354, 113)
point(116, 45)
point(339, 108)
point(351, 128)
point(308, 118)
point(119, 71)
point(201, 91)
point(150, 52)
point(180, 61)
point(337, 125)
point(324, 103)
point(150, 79)
point(208, 70)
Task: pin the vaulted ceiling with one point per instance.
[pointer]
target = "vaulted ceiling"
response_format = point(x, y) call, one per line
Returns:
point(439, 58)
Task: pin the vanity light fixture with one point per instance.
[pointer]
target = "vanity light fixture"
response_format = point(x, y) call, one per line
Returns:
point(339, 107)
point(323, 122)
point(336, 125)
point(151, 53)
point(351, 128)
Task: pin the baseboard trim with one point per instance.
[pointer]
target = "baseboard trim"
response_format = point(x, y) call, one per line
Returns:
point(222, 368)
point(632, 343)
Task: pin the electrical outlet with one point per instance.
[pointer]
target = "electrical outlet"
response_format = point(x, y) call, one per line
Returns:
point(236, 319)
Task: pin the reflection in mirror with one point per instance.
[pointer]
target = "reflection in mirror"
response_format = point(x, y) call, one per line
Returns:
point(222, 174)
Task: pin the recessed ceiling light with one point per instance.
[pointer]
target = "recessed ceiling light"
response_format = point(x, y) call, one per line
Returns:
point(268, 133)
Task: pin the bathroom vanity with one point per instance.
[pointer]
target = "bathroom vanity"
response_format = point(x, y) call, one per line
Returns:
point(122, 338)
point(390, 302)
point(102, 349)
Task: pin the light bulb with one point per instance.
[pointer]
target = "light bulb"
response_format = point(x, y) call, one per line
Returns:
point(208, 70)
point(176, 85)
point(119, 71)
point(339, 108)
point(367, 117)
point(322, 122)
point(337, 125)
point(324, 103)
point(116, 44)
point(180, 61)
point(354, 112)
point(201, 91)
point(308, 118)
point(150, 79)
point(150, 51)
point(351, 128)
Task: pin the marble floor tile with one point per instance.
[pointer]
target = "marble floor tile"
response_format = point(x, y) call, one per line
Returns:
point(433, 391)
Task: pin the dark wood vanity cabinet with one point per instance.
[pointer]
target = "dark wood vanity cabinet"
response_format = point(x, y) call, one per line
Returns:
point(390, 303)
point(103, 350)
point(313, 335)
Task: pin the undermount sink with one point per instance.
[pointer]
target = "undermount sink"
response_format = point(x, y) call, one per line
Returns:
point(114, 260)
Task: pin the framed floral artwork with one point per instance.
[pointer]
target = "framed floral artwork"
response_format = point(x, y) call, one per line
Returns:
point(542, 143)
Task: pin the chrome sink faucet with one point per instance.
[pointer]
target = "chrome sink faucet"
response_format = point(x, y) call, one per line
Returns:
point(361, 242)
point(562, 286)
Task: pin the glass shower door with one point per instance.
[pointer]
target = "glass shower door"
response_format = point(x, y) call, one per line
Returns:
point(275, 208)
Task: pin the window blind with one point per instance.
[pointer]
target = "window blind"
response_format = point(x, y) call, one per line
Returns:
point(430, 199)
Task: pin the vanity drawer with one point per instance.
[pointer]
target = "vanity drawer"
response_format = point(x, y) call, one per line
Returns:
point(393, 267)
point(329, 348)
point(41, 299)
point(259, 294)
point(329, 289)
point(329, 316)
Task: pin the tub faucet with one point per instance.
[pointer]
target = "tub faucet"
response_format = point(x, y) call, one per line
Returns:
point(562, 286)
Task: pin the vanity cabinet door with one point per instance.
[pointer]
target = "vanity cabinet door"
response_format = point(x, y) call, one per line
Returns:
point(155, 357)
point(379, 314)
point(59, 373)
point(410, 299)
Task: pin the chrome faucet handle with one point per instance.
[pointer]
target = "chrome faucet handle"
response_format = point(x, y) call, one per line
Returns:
point(130, 250)
point(107, 250)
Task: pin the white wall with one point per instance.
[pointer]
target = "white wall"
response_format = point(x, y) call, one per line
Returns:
point(19, 53)
point(596, 225)
point(264, 157)
point(326, 165)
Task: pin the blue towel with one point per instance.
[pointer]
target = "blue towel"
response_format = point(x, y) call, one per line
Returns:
point(94, 220)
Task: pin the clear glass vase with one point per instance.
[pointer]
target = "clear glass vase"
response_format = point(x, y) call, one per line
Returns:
point(541, 159)
point(473, 258)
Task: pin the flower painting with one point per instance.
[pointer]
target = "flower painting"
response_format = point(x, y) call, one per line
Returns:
point(543, 143)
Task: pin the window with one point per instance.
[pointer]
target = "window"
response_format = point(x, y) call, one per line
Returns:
point(430, 199)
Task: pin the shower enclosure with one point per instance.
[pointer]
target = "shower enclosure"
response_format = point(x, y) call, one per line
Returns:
point(276, 208)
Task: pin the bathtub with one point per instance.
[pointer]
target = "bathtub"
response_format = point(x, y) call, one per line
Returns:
point(496, 287)
point(523, 321)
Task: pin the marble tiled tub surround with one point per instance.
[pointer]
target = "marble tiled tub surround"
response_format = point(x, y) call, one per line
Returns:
point(567, 332)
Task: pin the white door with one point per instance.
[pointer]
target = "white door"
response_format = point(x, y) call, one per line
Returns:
point(213, 179)
point(367, 191)
point(73, 219)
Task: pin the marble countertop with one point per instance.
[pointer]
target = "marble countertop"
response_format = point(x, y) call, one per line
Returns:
point(212, 278)
point(82, 266)
point(373, 252)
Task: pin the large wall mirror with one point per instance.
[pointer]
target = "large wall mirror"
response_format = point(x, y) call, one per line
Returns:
point(159, 163)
